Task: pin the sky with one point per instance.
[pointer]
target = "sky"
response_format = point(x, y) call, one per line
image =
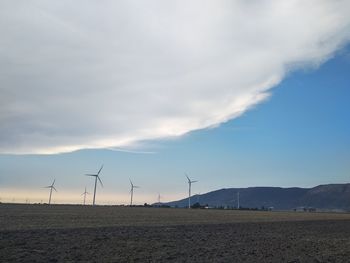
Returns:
point(234, 93)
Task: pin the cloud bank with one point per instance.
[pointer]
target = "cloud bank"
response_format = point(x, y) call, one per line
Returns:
point(86, 74)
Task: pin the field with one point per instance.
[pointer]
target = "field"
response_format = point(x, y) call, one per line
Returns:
point(67, 233)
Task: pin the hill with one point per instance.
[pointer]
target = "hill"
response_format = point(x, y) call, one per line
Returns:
point(330, 197)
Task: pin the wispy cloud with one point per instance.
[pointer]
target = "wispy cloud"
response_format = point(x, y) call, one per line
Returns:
point(81, 74)
point(131, 151)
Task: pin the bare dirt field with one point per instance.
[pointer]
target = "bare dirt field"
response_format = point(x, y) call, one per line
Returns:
point(65, 233)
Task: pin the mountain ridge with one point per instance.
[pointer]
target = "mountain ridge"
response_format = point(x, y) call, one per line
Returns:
point(327, 196)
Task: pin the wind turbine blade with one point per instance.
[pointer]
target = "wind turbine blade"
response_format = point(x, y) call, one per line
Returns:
point(54, 180)
point(135, 186)
point(47, 186)
point(100, 170)
point(100, 181)
point(91, 174)
point(188, 178)
point(194, 181)
point(54, 188)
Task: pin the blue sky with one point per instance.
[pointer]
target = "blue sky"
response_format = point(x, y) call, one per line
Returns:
point(298, 137)
point(234, 93)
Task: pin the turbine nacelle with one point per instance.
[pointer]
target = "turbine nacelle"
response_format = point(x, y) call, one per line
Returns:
point(85, 192)
point(97, 176)
point(132, 190)
point(189, 180)
point(133, 186)
point(52, 185)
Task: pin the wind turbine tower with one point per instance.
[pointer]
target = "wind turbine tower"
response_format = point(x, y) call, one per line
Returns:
point(190, 182)
point(97, 176)
point(85, 193)
point(51, 187)
point(238, 200)
point(132, 191)
point(159, 197)
point(198, 196)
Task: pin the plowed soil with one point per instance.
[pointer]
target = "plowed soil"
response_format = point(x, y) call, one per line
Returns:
point(39, 233)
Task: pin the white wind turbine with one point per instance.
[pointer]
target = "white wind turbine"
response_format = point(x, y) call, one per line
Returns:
point(97, 176)
point(190, 182)
point(51, 187)
point(132, 191)
point(159, 197)
point(198, 196)
point(85, 193)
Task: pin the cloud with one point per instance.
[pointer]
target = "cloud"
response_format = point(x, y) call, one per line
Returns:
point(131, 151)
point(81, 74)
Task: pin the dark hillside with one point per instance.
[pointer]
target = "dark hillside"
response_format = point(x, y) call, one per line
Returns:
point(332, 196)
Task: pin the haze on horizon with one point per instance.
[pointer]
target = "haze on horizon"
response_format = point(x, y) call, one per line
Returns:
point(154, 89)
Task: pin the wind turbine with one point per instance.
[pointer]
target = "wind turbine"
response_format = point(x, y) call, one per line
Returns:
point(198, 195)
point(97, 176)
point(190, 182)
point(132, 191)
point(159, 197)
point(51, 187)
point(85, 193)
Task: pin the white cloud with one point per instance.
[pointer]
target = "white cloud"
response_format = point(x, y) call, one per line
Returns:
point(86, 74)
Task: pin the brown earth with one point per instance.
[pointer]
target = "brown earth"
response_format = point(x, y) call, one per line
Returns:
point(39, 233)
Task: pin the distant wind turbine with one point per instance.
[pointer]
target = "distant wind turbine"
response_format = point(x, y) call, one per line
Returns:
point(198, 196)
point(51, 187)
point(190, 182)
point(85, 193)
point(159, 197)
point(97, 176)
point(132, 191)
